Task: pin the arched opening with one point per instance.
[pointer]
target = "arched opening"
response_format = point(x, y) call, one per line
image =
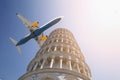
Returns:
point(56, 62)
point(65, 63)
point(74, 66)
point(47, 62)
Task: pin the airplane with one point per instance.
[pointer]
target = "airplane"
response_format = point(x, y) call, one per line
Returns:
point(32, 26)
point(34, 29)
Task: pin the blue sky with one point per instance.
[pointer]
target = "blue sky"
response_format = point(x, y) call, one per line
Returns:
point(94, 23)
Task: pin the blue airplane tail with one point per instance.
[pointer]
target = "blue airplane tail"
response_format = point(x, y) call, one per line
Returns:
point(15, 42)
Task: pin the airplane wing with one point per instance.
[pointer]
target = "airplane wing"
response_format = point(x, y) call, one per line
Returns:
point(26, 22)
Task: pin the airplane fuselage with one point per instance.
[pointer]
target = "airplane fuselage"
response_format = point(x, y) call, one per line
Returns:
point(38, 31)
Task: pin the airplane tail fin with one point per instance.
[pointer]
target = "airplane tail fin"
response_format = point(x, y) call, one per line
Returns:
point(15, 42)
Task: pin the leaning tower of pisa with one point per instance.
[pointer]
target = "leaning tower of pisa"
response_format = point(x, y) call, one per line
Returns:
point(60, 58)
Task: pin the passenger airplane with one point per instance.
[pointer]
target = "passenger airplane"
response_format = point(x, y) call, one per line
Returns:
point(35, 31)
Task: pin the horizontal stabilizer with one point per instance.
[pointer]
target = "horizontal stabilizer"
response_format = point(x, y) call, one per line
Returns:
point(15, 42)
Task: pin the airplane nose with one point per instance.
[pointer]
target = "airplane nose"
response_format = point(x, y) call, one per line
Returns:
point(60, 18)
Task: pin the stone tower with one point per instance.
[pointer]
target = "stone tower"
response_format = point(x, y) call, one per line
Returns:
point(60, 58)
